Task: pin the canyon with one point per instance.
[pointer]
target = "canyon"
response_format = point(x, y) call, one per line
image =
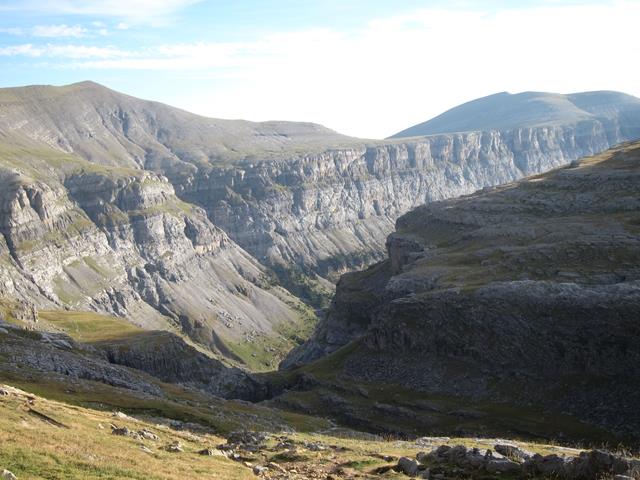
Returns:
point(229, 232)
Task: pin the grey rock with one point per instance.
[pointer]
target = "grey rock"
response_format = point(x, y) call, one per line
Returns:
point(502, 465)
point(121, 431)
point(491, 297)
point(174, 447)
point(512, 452)
point(148, 435)
point(548, 465)
point(260, 470)
point(7, 475)
point(408, 466)
point(125, 225)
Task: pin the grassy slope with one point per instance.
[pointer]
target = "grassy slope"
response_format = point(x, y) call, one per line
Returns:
point(88, 327)
point(32, 448)
point(82, 447)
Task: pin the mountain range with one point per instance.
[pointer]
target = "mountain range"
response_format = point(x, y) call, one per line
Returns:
point(195, 225)
point(321, 302)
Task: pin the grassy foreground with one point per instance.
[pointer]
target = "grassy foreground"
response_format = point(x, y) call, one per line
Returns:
point(47, 439)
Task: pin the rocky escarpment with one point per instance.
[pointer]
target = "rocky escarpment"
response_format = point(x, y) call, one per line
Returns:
point(328, 213)
point(167, 357)
point(527, 294)
point(135, 208)
point(119, 241)
point(300, 198)
point(149, 357)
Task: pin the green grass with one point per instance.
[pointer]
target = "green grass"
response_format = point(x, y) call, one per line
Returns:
point(33, 449)
point(88, 327)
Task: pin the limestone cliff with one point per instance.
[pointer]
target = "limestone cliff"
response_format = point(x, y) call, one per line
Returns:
point(526, 293)
point(329, 213)
point(120, 241)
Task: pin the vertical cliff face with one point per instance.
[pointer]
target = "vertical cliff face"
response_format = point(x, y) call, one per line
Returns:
point(329, 213)
point(121, 242)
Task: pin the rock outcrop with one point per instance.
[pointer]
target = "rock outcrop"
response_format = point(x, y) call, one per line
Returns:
point(135, 363)
point(457, 460)
point(526, 293)
point(121, 242)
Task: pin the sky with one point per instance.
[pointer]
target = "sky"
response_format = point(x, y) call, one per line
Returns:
point(366, 68)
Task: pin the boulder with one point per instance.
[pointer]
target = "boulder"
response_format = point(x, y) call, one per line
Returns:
point(148, 435)
point(407, 466)
point(124, 431)
point(548, 465)
point(259, 470)
point(175, 447)
point(512, 452)
point(597, 463)
point(7, 475)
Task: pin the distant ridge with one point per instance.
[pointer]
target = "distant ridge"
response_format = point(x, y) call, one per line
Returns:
point(529, 109)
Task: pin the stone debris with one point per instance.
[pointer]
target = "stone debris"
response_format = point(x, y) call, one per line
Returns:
point(511, 460)
point(123, 416)
point(122, 431)
point(148, 435)
point(259, 470)
point(276, 467)
point(143, 434)
point(245, 440)
point(211, 452)
point(430, 441)
point(174, 447)
point(315, 446)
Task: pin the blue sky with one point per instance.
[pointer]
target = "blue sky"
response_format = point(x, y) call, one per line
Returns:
point(365, 68)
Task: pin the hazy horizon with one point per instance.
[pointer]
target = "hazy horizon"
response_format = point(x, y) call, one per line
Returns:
point(365, 69)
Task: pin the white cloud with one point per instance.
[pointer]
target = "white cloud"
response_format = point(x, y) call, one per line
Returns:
point(139, 11)
point(57, 31)
point(12, 31)
point(68, 52)
point(25, 49)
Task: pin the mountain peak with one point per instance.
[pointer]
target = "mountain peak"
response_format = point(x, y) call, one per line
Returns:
point(505, 110)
